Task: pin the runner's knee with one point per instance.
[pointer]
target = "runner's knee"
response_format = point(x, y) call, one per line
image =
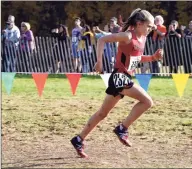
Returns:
point(149, 102)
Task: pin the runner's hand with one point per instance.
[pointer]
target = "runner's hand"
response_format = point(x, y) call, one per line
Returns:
point(98, 67)
point(158, 54)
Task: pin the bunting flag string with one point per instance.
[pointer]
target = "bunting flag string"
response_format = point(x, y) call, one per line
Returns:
point(180, 81)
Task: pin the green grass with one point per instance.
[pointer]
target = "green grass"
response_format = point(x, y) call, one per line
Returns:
point(90, 86)
point(26, 116)
point(24, 108)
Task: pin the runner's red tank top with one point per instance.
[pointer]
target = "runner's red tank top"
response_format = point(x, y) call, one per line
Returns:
point(129, 55)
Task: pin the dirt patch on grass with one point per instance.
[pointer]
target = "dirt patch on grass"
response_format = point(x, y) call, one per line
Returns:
point(39, 136)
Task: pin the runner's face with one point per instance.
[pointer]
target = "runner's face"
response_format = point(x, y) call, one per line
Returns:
point(146, 27)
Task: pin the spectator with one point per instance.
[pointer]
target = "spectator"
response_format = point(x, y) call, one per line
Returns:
point(157, 36)
point(183, 28)
point(120, 21)
point(62, 50)
point(114, 27)
point(188, 32)
point(10, 37)
point(54, 64)
point(11, 33)
point(107, 48)
point(3, 57)
point(76, 37)
point(27, 43)
point(86, 45)
point(174, 31)
point(160, 30)
point(27, 38)
point(174, 47)
point(188, 49)
point(54, 32)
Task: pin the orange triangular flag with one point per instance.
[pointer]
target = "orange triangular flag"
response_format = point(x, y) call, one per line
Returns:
point(73, 80)
point(40, 79)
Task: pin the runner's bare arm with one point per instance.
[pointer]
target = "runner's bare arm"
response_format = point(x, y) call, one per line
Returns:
point(147, 58)
point(117, 37)
point(156, 56)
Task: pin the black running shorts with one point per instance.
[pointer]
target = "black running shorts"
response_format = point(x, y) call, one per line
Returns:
point(117, 82)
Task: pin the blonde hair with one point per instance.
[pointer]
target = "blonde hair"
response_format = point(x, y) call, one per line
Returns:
point(28, 26)
point(137, 15)
point(160, 18)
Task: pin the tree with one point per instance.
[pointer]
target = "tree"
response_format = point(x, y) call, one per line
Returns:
point(46, 15)
point(183, 12)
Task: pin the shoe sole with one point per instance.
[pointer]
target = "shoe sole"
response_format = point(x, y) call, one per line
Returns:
point(128, 144)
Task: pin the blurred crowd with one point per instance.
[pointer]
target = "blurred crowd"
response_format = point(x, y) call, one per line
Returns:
point(84, 36)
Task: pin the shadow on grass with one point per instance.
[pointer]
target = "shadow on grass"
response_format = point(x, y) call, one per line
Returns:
point(43, 163)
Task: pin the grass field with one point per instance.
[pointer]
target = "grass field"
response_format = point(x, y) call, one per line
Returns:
point(36, 131)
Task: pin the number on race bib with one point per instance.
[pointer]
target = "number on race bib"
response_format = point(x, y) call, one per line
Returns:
point(134, 65)
point(134, 61)
point(120, 80)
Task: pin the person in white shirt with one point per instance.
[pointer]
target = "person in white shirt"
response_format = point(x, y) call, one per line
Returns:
point(11, 37)
point(12, 32)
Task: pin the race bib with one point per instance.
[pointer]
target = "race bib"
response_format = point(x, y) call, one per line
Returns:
point(120, 80)
point(133, 62)
point(74, 39)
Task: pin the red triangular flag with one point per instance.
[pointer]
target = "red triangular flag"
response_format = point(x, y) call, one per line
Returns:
point(40, 79)
point(73, 80)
